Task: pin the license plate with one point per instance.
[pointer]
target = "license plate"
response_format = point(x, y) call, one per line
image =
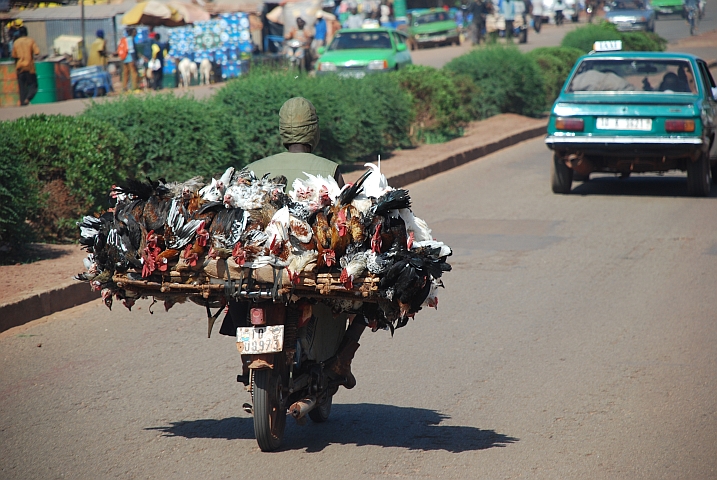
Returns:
point(268, 339)
point(440, 38)
point(358, 74)
point(608, 123)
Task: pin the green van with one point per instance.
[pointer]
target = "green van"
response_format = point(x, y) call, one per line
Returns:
point(432, 26)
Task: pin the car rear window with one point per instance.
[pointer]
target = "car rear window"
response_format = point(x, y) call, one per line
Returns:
point(430, 18)
point(356, 40)
point(633, 75)
point(628, 5)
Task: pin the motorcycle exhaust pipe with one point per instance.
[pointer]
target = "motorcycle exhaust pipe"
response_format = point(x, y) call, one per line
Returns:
point(302, 407)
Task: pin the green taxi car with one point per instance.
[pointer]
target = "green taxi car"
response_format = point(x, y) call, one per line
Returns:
point(432, 26)
point(635, 112)
point(667, 7)
point(357, 52)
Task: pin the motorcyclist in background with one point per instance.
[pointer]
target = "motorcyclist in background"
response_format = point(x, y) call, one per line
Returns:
point(299, 130)
point(299, 36)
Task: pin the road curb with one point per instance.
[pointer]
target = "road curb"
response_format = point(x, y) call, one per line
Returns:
point(45, 303)
point(456, 160)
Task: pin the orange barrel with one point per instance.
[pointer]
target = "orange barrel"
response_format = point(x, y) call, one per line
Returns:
point(9, 89)
point(62, 81)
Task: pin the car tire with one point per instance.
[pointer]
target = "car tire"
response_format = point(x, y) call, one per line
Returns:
point(561, 176)
point(699, 177)
point(713, 167)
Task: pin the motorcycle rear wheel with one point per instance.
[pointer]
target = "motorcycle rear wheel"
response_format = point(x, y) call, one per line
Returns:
point(269, 409)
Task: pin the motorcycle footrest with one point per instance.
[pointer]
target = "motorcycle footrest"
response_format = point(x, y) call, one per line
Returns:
point(243, 379)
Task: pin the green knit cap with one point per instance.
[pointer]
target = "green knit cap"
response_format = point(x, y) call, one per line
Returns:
point(298, 122)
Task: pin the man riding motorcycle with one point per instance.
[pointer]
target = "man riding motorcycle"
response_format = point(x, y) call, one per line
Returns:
point(299, 130)
point(297, 42)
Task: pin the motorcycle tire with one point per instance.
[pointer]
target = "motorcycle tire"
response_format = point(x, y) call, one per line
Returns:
point(321, 412)
point(269, 409)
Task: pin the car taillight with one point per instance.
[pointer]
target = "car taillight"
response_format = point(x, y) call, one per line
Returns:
point(257, 316)
point(679, 125)
point(570, 124)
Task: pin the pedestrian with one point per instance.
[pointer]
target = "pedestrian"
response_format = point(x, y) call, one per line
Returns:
point(477, 10)
point(508, 11)
point(319, 34)
point(128, 55)
point(299, 131)
point(98, 54)
point(355, 19)
point(24, 50)
point(158, 60)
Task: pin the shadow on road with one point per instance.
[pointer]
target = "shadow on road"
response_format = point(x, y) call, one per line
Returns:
point(356, 424)
point(646, 186)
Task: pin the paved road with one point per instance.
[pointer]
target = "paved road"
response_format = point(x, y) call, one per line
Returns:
point(672, 28)
point(576, 339)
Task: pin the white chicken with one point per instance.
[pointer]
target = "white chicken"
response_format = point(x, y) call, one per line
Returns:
point(316, 191)
point(376, 183)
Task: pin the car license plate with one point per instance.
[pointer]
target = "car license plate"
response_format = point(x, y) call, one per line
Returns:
point(610, 123)
point(268, 339)
point(440, 38)
point(359, 74)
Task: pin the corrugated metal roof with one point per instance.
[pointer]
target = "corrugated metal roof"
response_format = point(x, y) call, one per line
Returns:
point(92, 12)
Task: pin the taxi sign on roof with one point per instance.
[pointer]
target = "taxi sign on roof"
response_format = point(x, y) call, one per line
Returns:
point(607, 46)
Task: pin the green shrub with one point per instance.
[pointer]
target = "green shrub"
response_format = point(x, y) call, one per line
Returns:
point(358, 117)
point(76, 160)
point(18, 195)
point(507, 81)
point(173, 137)
point(584, 37)
point(555, 63)
point(440, 104)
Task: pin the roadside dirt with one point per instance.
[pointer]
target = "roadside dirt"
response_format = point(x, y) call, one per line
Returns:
point(54, 268)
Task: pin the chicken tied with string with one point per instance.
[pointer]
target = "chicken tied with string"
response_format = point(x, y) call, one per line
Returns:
point(363, 229)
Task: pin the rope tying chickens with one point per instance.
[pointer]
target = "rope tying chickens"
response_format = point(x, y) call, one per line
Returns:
point(359, 248)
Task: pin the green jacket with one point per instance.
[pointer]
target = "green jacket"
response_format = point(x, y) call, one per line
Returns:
point(293, 166)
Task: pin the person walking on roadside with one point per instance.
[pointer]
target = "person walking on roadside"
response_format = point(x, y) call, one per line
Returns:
point(478, 11)
point(98, 53)
point(128, 55)
point(508, 11)
point(158, 59)
point(24, 50)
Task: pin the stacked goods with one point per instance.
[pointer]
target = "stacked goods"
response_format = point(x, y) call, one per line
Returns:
point(358, 248)
point(222, 41)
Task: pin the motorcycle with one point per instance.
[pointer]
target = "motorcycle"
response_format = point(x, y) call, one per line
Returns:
point(590, 10)
point(559, 17)
point(286, 352)
point(294, 52)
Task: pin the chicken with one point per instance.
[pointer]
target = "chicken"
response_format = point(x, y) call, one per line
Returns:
point(376, 184)
point(226, 230)
point(354, 265)
point(315, 191)
point(322, 232)
point(416, 229)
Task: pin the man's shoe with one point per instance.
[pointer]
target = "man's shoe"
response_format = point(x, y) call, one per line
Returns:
point(340, 366)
